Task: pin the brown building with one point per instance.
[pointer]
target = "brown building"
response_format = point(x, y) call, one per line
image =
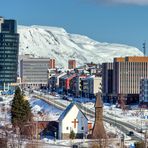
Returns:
point(71, 64)
point(52, 63)
point(122, 78)
point(127, 75)
point(98, 129)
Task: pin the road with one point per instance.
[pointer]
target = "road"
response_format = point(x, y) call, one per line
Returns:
point(123, 126)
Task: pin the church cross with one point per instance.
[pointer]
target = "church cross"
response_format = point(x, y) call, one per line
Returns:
point(75, 122)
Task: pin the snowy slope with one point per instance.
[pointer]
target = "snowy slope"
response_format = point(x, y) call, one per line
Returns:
point(57, 43)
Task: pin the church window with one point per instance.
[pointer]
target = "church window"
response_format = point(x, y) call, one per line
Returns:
point(67, 128)
point(82, 128)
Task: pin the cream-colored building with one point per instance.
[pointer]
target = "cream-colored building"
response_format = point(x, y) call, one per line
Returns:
point(127, 73)
point(90, 86)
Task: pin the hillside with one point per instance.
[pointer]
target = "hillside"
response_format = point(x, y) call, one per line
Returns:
point(56, 43)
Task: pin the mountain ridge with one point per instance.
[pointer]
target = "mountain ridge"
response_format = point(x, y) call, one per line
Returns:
point(54, 42)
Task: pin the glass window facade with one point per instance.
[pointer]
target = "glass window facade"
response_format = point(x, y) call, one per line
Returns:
point(144, 90)
point(9, 48)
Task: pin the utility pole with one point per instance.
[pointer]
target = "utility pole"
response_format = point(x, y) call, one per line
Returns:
point(122, 141)
point(144, 48)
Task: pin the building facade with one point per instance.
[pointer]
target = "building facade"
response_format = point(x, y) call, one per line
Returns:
point(128, 72)
point(90, 86)
point(72, 119)
point(121, 79)
point(107, 81)
point(34, 71)
point(53, 81)
point(9, 48)
point(75, 84)
point(143, 97)
point(71, 64)
point(52, 64)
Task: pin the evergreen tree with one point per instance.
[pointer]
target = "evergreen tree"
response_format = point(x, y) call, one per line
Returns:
point(20, 110)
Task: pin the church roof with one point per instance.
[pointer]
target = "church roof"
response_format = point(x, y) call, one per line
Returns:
point(98, 100)
point(69, 107)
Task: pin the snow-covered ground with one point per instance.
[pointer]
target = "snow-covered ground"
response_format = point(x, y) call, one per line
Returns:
point(5, 110)
point(43, 111)
point(136, 116)
point(54, 42)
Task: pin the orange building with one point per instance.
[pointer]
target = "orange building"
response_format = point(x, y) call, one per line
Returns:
point(131, 59)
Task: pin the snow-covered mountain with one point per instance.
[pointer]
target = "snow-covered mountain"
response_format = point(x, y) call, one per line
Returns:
point(56, 43)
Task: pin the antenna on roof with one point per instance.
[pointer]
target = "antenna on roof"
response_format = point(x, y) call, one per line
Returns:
point(144, 48)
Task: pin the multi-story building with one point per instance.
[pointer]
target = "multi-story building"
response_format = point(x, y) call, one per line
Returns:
point(107, 80)
point(128, 72)
point(90, 86)
point(9, 48)
point(75, 84)
point(34, 71)
point(53, 81)
point(71, 64)
point(52, 64)
point(124, 80)
point(64, 82)
point(143, 97)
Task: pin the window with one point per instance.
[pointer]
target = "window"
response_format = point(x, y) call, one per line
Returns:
point(67, 128)
point(82, 128)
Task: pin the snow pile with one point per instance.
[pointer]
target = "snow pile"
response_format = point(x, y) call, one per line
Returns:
point(56, 43)
point(43, 111)
point(136, 117)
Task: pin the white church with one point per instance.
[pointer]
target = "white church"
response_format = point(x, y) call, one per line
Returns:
point(72, 119)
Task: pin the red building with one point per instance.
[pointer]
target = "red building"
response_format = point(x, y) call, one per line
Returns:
point(64, 82)
point(52, 63)
point(68, 81)
point(71, 64)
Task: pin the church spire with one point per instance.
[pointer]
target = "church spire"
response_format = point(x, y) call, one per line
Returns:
point(98, 103)
point(98, 129)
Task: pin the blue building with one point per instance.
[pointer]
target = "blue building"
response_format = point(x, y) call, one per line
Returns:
point(143, 91)
point(9, 48)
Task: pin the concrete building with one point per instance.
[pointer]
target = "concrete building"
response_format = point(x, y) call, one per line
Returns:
point(75, 85)
point(121, 79)
point(64, 82)
point(90, 86)
point(53, 81)
point(34, 71)
point(52, 63)
point(107, 81)
point(128, 72)
point(143, 97)
point(9, 48)
point(71, 64)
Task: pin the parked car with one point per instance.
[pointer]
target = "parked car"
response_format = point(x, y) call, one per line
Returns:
point(130, 133)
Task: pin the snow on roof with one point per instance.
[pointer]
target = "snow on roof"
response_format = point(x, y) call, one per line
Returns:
point(69, 107)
